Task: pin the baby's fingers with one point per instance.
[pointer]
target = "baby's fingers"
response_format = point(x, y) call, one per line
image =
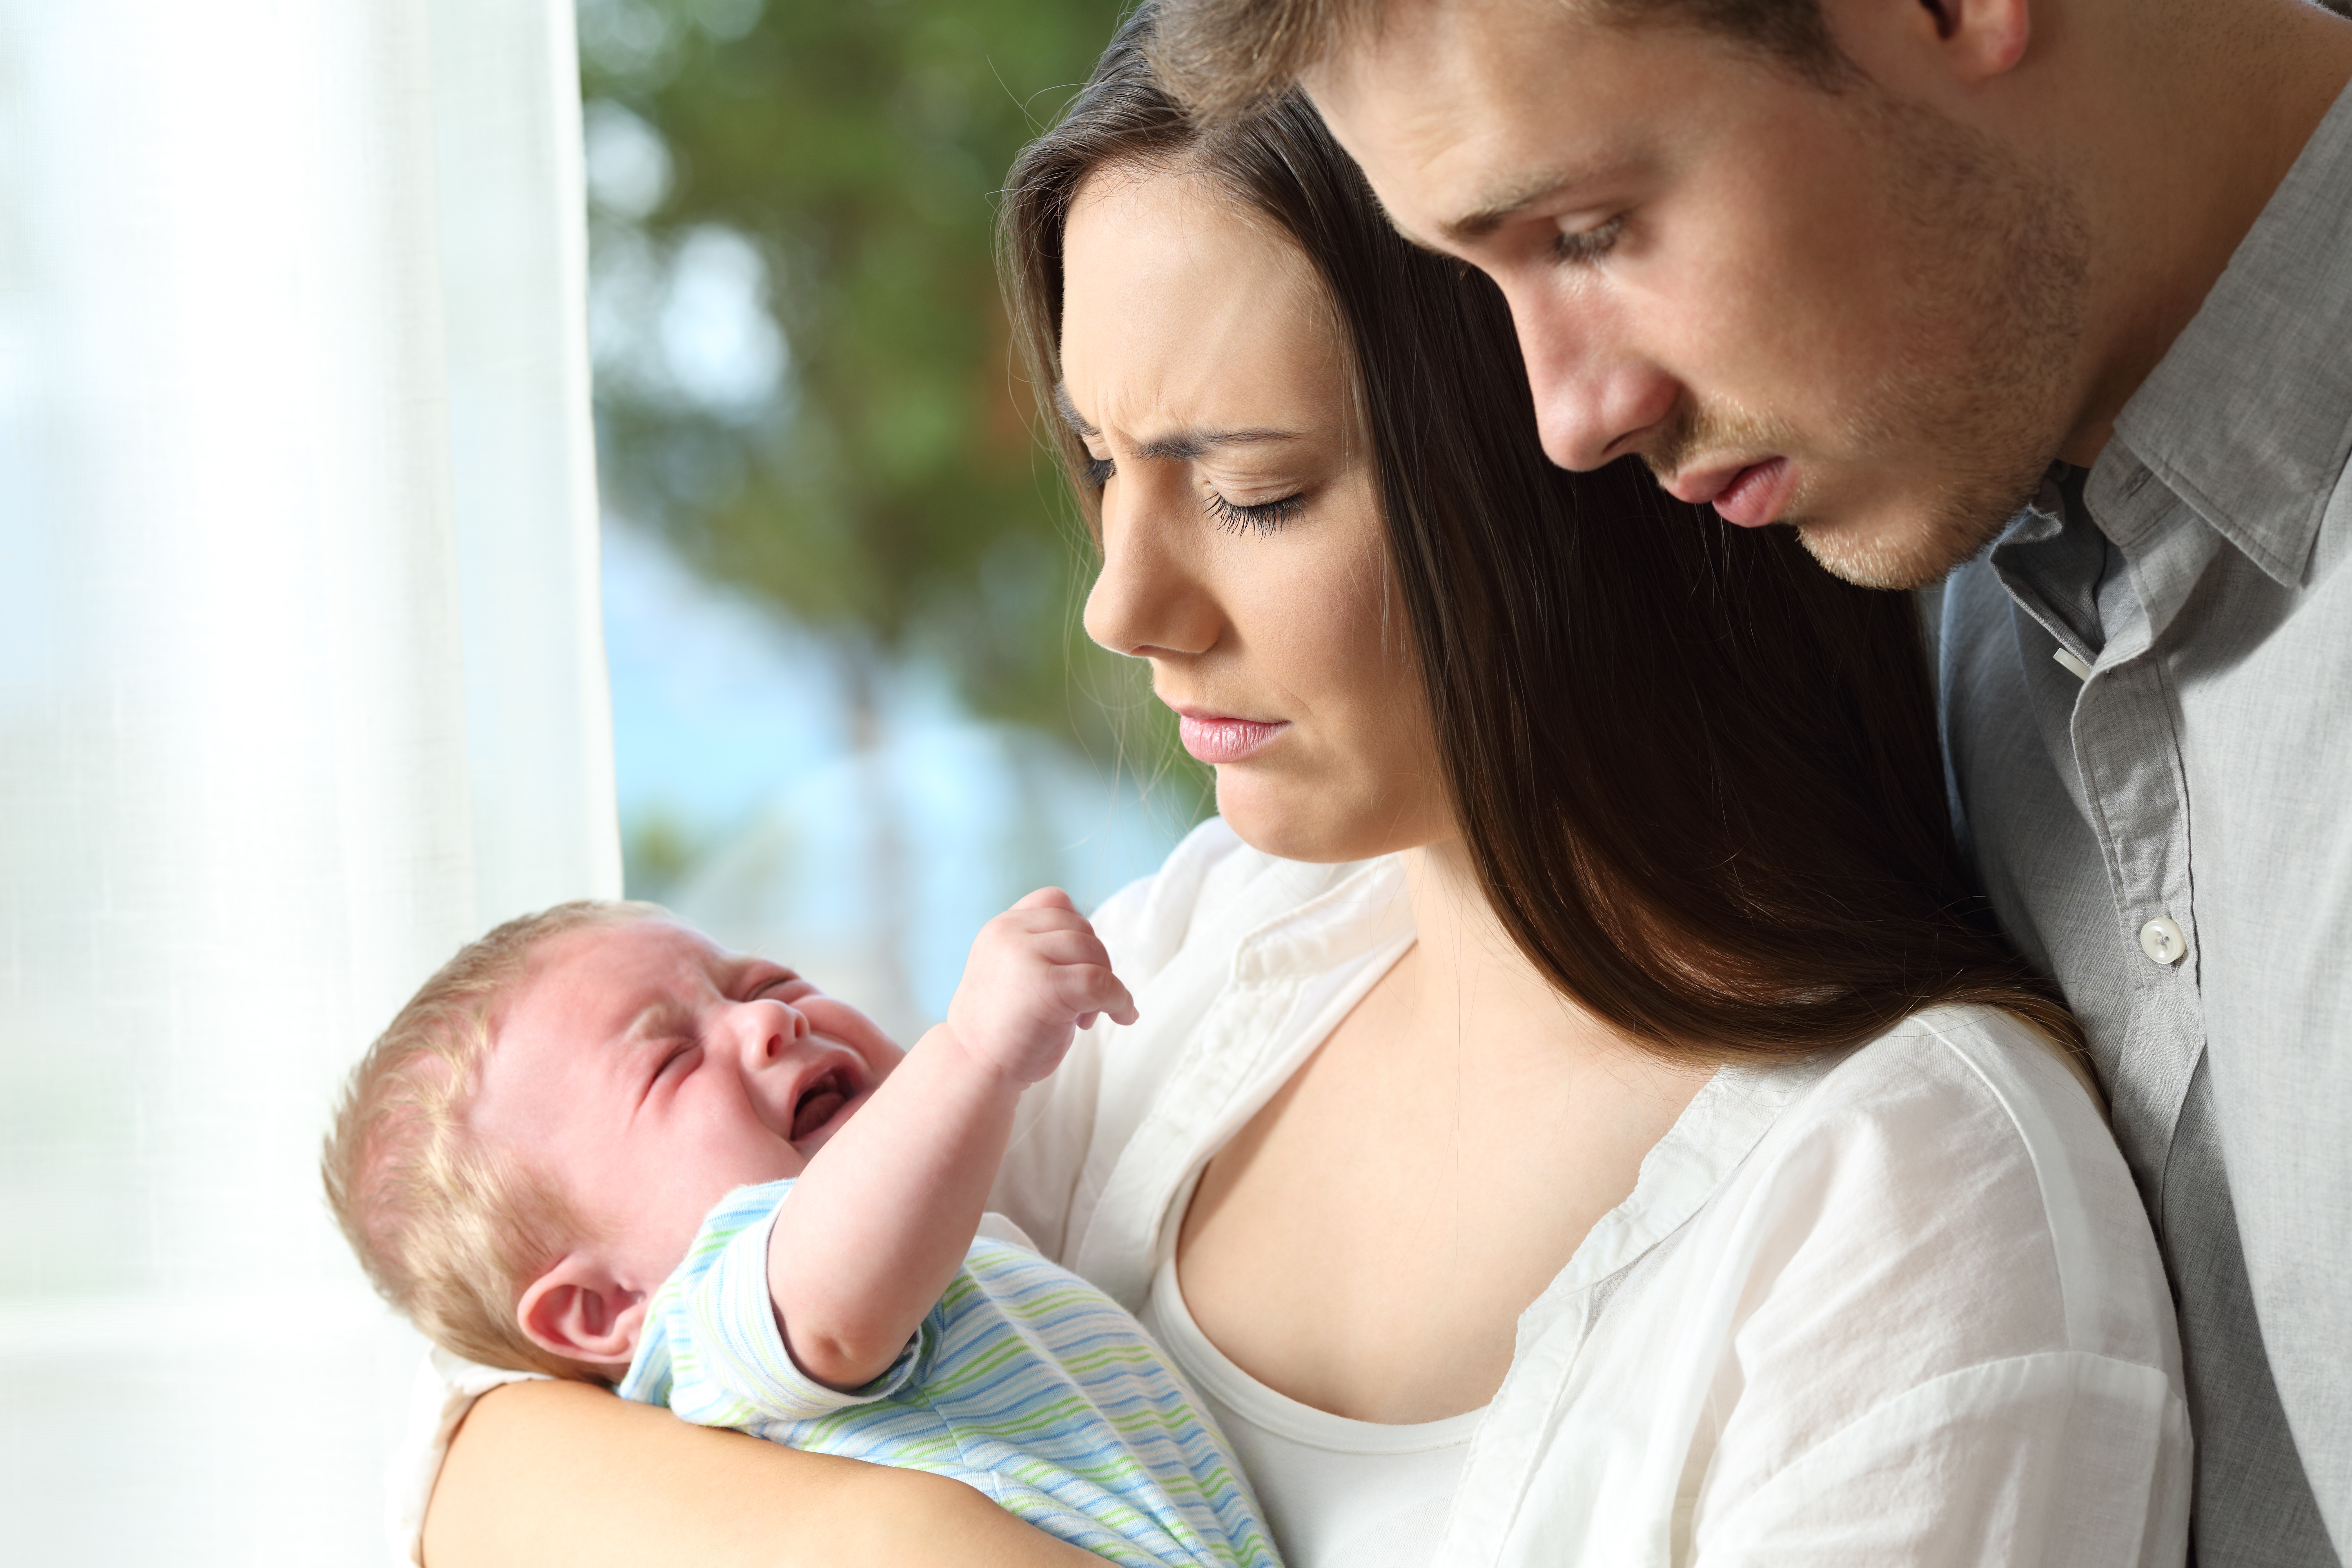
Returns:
point(1076, 946)
point(1047, 899)
point(1090, 989)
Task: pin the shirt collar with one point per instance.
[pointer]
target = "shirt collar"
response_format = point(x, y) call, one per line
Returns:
point(2248, 417)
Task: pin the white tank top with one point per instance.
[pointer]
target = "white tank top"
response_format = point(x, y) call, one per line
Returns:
point(1337, 1493)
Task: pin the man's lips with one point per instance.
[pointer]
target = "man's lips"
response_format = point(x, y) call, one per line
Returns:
point(1222, 738)
point(1749, 496)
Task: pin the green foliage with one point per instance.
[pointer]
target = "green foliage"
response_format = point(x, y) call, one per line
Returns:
point(656, 853)
point(891, 493)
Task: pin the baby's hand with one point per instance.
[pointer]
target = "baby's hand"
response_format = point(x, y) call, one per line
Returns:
point(1036, 976)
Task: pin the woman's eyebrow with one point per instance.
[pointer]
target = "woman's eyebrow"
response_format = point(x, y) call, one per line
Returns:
point(1069, 412)
point(1177, 445)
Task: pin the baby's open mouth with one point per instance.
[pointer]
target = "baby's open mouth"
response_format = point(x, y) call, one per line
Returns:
point(820, 1101)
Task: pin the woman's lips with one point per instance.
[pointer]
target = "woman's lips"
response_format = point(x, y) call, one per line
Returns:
point(1217, 737)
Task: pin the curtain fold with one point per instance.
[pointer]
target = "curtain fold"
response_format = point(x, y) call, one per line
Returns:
point(302, 684)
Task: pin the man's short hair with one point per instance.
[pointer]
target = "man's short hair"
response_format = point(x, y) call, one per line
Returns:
point(1223, 58)
point(449, 1232)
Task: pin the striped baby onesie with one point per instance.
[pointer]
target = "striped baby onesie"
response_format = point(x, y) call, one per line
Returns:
point(1024, 1382)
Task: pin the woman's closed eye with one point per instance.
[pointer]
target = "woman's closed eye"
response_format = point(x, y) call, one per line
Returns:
point(1258, 517)
point(1098, 472)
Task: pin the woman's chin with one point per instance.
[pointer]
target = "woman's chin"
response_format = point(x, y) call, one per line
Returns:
point(1297, 821)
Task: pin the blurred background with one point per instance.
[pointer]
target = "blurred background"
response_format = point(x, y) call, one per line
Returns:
point(854, 713)
point(458, 455)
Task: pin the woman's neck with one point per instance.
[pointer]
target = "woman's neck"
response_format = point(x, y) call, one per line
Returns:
point(1468, 976)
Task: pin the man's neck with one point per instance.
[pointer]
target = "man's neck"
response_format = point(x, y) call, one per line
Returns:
point(2189, 151)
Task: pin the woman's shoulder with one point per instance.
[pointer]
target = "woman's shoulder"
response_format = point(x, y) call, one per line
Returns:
point(1959, 1152)
point(1979, 1073)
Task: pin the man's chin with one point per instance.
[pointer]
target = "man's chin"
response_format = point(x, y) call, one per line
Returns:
point(1895, 552)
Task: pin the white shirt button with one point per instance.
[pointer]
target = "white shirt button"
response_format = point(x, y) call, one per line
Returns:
point(2160, 939)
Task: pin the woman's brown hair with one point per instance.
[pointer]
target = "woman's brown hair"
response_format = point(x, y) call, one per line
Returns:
point(1698, 776)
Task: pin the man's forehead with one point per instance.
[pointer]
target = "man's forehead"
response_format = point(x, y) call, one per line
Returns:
point(1447, 92)
point(1462, 116)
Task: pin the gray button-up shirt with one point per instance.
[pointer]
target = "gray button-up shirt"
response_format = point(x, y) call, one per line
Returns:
point(2170, 835)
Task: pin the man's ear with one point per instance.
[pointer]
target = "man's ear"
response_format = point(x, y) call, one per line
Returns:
point(1907, 43)
point(1985, 37)
point(580, 1310)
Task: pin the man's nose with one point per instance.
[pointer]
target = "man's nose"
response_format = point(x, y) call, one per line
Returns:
point(1596, 400)
point(1148, 600)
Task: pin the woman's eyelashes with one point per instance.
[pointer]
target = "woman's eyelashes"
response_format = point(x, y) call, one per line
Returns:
point(1236, 517)
point(1259, 518)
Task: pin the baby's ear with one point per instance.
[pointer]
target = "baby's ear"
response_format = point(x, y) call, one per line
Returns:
point(578, 1310)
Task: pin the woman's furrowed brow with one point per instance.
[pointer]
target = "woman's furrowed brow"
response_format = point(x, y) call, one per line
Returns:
point(1183, 444)
point(1070, 414)
point(1176, 445)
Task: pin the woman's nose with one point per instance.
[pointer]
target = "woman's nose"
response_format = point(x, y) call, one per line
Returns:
point(1149, 600)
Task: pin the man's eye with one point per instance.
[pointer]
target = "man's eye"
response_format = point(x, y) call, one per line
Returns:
point(1587, 244)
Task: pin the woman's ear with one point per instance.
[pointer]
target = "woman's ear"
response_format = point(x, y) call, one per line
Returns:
point(580, 1310)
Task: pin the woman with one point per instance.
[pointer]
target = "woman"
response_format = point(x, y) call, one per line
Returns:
point(1574, 1118)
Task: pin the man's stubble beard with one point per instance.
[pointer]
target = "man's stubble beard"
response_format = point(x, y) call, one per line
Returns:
point(1975, 404)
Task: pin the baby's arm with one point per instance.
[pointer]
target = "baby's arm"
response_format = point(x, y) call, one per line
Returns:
point(879, 1222)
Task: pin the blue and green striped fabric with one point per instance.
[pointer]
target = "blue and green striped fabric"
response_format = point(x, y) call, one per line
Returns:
point(1024, 1382)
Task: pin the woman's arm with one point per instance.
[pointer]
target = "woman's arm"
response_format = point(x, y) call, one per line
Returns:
point(561, 1472)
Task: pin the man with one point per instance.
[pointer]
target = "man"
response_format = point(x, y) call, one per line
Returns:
point(2057, 293)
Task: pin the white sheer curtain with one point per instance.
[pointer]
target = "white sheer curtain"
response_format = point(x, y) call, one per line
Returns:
point(301, 685)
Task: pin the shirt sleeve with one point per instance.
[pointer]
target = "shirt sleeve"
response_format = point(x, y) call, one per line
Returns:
point(712, 1351)
point(1953, 1346)
point(2064, 1458)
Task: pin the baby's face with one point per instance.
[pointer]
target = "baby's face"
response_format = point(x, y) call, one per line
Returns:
point(647, 1073)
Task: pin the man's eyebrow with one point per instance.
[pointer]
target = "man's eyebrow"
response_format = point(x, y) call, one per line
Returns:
point(1508, 201)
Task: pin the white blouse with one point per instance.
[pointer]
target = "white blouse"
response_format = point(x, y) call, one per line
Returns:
point(1336, 1493)
point(1897, 1306)
point(1892, 1308)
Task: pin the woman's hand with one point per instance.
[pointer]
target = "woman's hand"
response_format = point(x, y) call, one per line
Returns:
point(561, 1472)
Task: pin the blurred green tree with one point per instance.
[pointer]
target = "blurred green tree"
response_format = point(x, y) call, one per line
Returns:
point(869, 464)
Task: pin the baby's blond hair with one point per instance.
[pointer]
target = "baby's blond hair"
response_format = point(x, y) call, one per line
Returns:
point(450, 1232)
